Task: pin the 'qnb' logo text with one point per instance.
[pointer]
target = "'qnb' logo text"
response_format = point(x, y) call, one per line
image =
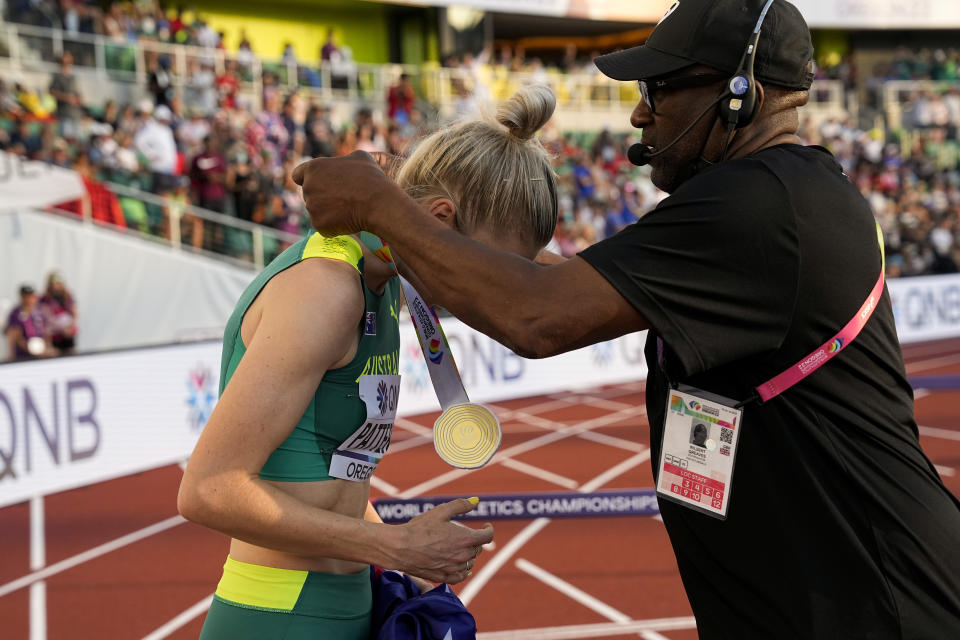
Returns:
point(65, 419)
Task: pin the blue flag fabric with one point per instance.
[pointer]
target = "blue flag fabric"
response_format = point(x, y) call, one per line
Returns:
point(401, 612)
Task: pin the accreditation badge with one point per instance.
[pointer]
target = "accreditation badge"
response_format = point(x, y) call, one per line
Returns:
point(698, 450)
point(358, 456)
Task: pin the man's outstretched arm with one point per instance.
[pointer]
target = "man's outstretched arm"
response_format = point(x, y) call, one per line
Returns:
point(534, 309)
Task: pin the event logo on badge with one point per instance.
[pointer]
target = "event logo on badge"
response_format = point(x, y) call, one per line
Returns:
point(696, 406)
point(435, 352)
point(676, 404)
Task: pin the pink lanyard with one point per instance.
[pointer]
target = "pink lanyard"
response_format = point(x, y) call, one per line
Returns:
point(777, 385)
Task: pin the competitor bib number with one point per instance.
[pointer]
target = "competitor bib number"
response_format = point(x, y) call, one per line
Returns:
point(358, 456)
point(698, 451)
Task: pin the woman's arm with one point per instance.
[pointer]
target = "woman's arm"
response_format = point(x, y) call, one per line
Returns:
point(309, 319)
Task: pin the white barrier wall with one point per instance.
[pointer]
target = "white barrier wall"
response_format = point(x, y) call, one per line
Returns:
point(75, 421)
point(129, 292)
point(926, 308)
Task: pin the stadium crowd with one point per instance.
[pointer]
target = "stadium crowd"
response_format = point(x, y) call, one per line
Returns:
point(204, 145)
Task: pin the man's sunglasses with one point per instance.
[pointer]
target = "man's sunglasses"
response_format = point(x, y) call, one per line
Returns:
point(649, 87)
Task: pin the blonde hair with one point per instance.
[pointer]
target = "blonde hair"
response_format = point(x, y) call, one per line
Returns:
point(496, 172)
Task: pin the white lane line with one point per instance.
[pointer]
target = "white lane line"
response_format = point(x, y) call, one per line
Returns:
point(384, 486)
point(414, 427)
point(945, 471)
point(572, 592)
point(944, 434)
point(612, 441)
point(542, 474)
point(523, 447)
point(542, 407)
point(482, 577)
point(615, 471)
point(592, 398)
point(90, 554)
point(181, 620)
point(488, 570)
point(410, 443)
point(925, 365)
point(920, 393)
point(582, 631)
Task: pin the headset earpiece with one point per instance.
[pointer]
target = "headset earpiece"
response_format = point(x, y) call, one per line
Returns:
point(738, 107)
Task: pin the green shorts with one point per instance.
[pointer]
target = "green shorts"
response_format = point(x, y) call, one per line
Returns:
point(253, 602)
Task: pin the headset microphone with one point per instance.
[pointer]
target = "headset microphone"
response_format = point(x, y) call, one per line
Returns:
point(641, 155)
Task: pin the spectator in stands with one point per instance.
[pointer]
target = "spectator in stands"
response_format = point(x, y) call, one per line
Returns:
point(319, 131)
point(208, 176)
point(191, 134)
point(160, 80)
point(246, 188)
point(155, 142)
point(273, 136)
point(228, 84)
point(245, 56)
point(289, 55)
point(8, 100)
point(26, 141)
point(200, 91)
point(101, 204)
point(400, 99)
point(60, 313)
point(329, 50)
point(293, 117)
point(26, 328)
point(63, 87)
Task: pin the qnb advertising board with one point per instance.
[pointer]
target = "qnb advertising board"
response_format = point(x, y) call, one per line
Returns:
point(75, 421)
point(926, 308)
point(71, 422)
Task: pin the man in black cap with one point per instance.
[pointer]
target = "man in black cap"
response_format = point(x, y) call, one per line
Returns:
point(814, 513)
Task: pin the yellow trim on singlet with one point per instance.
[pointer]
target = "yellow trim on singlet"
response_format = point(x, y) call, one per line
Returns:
point(261, 587)
point(343, 248)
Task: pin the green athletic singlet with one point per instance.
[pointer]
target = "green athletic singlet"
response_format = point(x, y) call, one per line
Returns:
point(336, 410)
point(257, 602)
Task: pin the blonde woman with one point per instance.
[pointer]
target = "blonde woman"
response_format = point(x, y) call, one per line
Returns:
point(308, 394)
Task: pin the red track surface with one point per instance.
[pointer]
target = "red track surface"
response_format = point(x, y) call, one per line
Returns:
point(621, 569)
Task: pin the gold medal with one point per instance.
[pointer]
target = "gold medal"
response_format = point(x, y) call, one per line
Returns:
point(466, 435)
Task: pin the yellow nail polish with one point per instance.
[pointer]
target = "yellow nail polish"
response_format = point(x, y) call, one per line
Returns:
point(474, 500)
point(469, 573)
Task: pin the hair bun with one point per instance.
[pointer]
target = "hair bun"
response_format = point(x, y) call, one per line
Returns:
point(527, 110)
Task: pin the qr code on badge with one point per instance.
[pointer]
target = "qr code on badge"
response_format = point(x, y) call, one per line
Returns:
point(726, 435)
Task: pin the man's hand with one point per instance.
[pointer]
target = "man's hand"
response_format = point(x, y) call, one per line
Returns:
point(434, 548)
point(344, 195)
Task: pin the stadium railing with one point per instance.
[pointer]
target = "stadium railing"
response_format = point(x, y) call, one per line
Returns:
point(580, 95)
point(899, 94)
point(159, 219)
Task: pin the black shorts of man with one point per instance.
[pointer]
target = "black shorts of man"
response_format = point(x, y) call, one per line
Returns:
point(836, 525)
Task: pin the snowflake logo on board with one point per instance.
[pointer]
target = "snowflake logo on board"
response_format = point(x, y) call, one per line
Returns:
point(201, 396)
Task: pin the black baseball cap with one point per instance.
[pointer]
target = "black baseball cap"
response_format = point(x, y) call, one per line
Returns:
point(715, 33)
point(26, 290)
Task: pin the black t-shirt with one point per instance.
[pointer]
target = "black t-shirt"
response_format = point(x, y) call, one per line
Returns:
point(838, 525)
